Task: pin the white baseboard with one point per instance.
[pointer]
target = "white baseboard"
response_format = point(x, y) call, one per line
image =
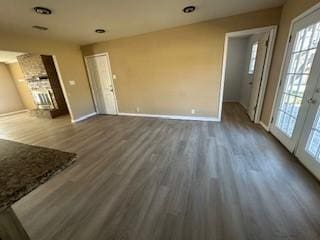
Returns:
point(244, 106)
point(13, 113)
point(264, 126)
point(83, 117)
point(175, 117)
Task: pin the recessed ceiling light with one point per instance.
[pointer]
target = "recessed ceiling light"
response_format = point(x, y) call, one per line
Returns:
point(189, 9)
point(42, 28)
point(100, 30)
point(42, 10)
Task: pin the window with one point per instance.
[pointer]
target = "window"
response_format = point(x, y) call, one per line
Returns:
point(253, 58)
point(313, 144)
point(304, 50)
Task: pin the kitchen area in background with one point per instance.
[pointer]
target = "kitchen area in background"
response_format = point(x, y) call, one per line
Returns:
point(30, 82)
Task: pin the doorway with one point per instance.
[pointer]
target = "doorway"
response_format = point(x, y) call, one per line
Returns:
point(101, 83)
point(31, 83)
point(246, 65)
point(296, 116)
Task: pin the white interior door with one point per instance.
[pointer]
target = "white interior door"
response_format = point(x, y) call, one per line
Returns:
point(299, 80)
point(258, 73)
point(101, 84)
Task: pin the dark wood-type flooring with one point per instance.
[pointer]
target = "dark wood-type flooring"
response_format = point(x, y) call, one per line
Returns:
point(148, 179)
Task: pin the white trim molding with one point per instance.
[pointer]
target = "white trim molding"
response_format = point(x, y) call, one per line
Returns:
point(173, 117)
point(83, 117)
point(63, 87)
point(13, 113)
point(264, 126)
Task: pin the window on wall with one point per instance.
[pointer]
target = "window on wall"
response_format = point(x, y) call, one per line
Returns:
point(253, 57)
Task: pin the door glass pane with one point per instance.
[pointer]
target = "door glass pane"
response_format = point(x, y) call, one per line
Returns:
point(313, 143)
point(253, 58)
point(296, 78)
point(316, 37)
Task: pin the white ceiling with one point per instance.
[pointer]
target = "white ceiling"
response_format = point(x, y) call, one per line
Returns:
point(75, 20)
point(9, 57)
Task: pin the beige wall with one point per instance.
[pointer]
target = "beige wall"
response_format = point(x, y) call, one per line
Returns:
point(9, 97)
point(175, 70)
point(21, 85)
point(291, 9)
point(70, 62)
point(166, 72)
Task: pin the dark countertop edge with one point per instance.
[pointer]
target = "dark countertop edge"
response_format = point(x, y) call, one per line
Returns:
point(43, 180)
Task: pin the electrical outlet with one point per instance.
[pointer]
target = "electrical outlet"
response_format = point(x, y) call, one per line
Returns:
point(138, 109)
point(193, 111)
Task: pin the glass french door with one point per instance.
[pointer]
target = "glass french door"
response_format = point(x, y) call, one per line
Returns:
point(308, 150)
point(299, 81)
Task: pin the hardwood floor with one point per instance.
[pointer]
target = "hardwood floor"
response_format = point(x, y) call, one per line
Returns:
point(146, 178)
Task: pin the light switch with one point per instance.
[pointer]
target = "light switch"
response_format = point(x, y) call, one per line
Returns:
point(114, 76)
point(72, 83)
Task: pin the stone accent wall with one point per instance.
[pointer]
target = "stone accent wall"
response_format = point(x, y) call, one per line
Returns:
point(43, 81)
point(32, 66)
point(35, 73)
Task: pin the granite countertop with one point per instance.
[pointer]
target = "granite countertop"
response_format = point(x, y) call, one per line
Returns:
point(25, 167)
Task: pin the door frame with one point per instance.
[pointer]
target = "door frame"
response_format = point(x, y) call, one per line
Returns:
point(272, 33)
point(284, 58)
point(62, 84)
point(90, 80)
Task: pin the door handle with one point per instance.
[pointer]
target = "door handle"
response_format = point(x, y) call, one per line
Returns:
point(311, 100)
